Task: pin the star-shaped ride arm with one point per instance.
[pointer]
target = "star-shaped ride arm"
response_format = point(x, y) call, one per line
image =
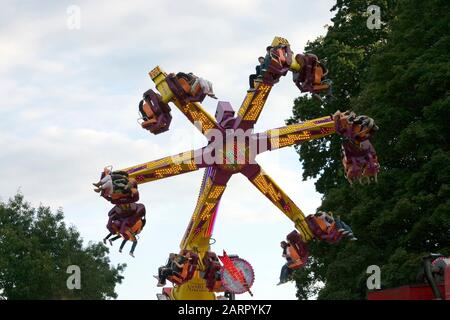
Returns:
point(252, 106)
point(308, 75)
point(166, 167)
point(279, 198)
point(193, 111)
point(200, 228)
point(296, 133)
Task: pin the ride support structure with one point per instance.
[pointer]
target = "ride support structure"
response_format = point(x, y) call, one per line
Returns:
point(233, 146)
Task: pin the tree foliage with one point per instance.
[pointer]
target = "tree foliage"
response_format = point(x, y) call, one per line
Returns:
point(398, 75)
point(36, 250)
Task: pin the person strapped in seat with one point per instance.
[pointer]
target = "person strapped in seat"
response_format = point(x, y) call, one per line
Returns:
point(178, 269)
point(155, 114)
point(296, 254)
point(276, 63)
point(186, 273)
point(358, 155)
point(126, 221)
point(325, 227)
point(311, 77)
point(212, 272)
point(188, 87)
point(115, 185)
point(174, 263)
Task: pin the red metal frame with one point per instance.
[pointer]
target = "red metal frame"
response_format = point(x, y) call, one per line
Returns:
point(413, 292)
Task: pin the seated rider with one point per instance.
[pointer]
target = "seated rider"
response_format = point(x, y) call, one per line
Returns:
point(113, 182)
point(197, 84)
point(344, 228)
point(292, 259)
point(148, 115)
point(217, 274)
point(121, 182)
point(266, 62)
point(205, 85)
point(126, 221)
point(258, 73)
point(124, 241)
point(131, 226)
point(174, 265)
point(326, 219)
point(212, 273)
point(165, 271)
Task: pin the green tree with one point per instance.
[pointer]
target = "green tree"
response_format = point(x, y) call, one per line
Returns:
point(399, 75)
point(36, 250)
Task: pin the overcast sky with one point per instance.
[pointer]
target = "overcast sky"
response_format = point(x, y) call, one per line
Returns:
point(69, 108)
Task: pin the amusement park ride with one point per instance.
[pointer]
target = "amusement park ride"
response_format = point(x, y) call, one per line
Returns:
point(232, 148)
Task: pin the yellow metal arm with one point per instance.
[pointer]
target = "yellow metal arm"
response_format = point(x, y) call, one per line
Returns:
point(252, 106)
point(255, 100)
point(193, 110)
point(166, 167)
point(199, 230)
point(279, 198)
point(297, 133)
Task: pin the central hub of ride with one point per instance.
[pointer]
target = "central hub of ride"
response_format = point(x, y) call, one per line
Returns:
point(234, 155)
point(233, 151)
